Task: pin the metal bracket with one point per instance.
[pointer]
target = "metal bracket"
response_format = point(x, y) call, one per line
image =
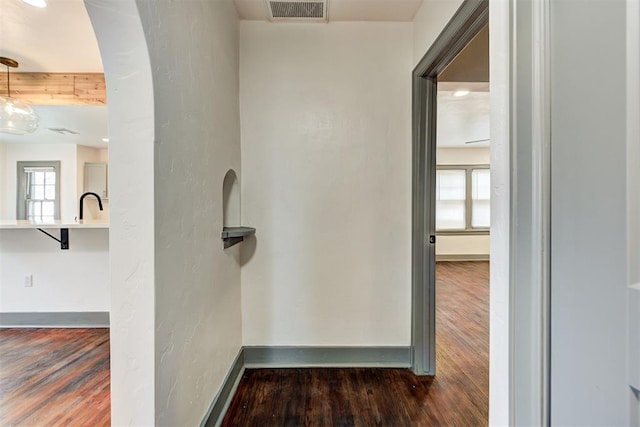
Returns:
point(230, 241)
point(234, 235)
point(63, 240)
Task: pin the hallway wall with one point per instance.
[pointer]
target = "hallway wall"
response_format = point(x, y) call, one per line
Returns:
point(589, 383)
point(326, 152)
point(193, 48)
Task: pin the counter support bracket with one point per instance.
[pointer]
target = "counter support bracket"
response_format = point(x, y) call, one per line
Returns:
point(63, 240)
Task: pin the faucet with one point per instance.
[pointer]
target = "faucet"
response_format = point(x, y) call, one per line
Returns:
point(89, 193)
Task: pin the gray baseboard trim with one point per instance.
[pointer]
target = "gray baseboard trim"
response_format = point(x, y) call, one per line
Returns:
point(257, 357)
point(91, 319)
point(294, 357)
point(470, 257)
point(221, 402)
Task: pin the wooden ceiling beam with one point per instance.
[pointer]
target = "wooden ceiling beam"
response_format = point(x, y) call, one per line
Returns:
point(56, 88)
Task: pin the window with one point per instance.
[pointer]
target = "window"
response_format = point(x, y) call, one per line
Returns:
point(38, 191)
point(463, 198)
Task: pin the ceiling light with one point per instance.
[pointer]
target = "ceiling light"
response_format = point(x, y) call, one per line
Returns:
point(462, 92)
point(36, 3)
point(105, 139)
point(16, 117)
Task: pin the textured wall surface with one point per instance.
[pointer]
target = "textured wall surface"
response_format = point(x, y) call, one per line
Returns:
point(326, 152)
point(193, 47)
point(131, 233)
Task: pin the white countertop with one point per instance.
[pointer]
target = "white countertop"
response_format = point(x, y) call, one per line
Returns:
point(87, 223)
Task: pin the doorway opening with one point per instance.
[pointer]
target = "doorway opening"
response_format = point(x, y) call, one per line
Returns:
point(462, 223)
point(452, 211)
point(468, 22)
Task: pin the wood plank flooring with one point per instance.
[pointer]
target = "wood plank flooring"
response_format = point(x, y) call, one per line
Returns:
point(456, 396)
point(54, 377)
point(60, 377)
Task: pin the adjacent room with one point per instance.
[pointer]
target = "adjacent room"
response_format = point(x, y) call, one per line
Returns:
point(54, 218)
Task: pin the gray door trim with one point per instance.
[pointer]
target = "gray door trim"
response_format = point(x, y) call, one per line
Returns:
point(468, 20)
point(530, 194)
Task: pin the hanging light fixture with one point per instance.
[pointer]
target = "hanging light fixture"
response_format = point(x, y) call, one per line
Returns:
point(16, 117)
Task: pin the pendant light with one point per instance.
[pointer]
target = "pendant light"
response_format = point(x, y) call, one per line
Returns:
point(16, 117)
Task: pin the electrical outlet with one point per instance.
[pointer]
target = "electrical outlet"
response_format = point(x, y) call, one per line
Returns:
point(28, 280)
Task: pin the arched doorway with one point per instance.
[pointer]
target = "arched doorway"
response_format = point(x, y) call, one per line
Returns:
point(131, 131)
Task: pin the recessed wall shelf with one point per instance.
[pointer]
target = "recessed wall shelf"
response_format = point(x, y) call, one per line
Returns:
point(233, 235)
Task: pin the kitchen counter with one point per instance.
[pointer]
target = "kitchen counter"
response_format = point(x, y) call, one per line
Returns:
point(22, 224)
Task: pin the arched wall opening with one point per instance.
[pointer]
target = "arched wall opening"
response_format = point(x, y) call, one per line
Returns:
point(128, 77)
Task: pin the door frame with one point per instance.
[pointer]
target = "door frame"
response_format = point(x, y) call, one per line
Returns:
point(520, 344)
point(467, 22)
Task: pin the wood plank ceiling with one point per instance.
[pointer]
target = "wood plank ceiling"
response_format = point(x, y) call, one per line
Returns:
point(78, 89)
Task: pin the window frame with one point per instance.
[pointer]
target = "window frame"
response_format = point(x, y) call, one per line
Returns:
point(21, 206)
point(468, 230)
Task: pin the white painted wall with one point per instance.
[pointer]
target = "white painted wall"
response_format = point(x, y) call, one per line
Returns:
point(193, 47)
point(326, 153)
point(131, 235)
point(428, 23)
point(463, 156)
point(461, 247)
point(74, 280)
point(65, 153)
point(589, 384)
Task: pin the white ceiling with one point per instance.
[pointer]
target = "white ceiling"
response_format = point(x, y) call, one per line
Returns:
point(89, 122)
point(343, 10)
point(60, 38)
point(463, 119)
point(56, 39)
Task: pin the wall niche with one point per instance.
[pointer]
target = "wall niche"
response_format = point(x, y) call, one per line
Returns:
point(232, 232)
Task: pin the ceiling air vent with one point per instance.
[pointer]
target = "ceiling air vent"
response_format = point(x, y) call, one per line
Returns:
point(64, 131)
point(297, 10)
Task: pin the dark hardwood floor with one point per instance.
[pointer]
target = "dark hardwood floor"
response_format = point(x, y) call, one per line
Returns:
point(457, 396)
point(54, 377)
point(60, 377)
